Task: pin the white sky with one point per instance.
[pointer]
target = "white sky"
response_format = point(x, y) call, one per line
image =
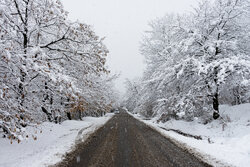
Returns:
point(123, 23)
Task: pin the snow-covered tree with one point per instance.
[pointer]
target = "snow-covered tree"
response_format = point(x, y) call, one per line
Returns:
point(49, 65)
point(133, 93)
point(195, 60)
point(216, 35)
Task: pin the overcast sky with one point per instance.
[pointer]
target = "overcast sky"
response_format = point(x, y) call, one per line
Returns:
point(123, 23)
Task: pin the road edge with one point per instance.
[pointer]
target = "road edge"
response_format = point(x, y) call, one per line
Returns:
point(79, 142)
point(206, 158)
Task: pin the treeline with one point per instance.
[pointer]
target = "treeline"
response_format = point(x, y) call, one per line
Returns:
point(51, 69)
point(195, 62)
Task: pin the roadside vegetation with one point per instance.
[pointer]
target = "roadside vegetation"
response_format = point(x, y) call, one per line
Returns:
point(51, 69)
point(195, 63)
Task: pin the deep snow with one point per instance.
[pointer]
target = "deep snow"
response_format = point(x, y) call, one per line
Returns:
point(53, 141)
point(225, 142)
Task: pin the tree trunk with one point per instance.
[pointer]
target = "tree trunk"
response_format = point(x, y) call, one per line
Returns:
point(49, 115)
point(21, 87)
point(216, 114)
point(69, 116)
point(25, 41)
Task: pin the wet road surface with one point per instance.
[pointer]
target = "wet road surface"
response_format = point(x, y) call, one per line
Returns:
point(127, 142)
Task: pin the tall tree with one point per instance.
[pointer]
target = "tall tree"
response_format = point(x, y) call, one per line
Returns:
point(192, 58)
point(47, 63)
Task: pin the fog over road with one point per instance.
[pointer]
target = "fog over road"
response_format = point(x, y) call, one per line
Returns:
point(127, 142)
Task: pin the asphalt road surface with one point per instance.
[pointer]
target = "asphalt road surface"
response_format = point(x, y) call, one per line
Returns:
point(127, 142)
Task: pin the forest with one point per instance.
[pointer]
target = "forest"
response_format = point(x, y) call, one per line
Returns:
point(194, 63)
point(62, 102)
point(51, 69)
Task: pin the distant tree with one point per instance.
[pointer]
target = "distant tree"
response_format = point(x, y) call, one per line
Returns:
point(132, 95)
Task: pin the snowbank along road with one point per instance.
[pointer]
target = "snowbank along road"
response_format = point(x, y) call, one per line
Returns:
point(127, 142)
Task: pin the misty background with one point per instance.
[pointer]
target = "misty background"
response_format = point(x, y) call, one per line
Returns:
point(123, 23)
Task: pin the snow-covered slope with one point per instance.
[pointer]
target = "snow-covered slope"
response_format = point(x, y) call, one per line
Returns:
point(227, 140)
point(53, 141)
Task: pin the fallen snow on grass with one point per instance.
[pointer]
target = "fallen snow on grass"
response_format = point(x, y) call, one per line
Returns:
point(227, 140)
point(53, 141)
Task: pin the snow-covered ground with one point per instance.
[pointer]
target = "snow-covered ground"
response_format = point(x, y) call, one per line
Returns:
point(53, 141)
point(225, 141)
